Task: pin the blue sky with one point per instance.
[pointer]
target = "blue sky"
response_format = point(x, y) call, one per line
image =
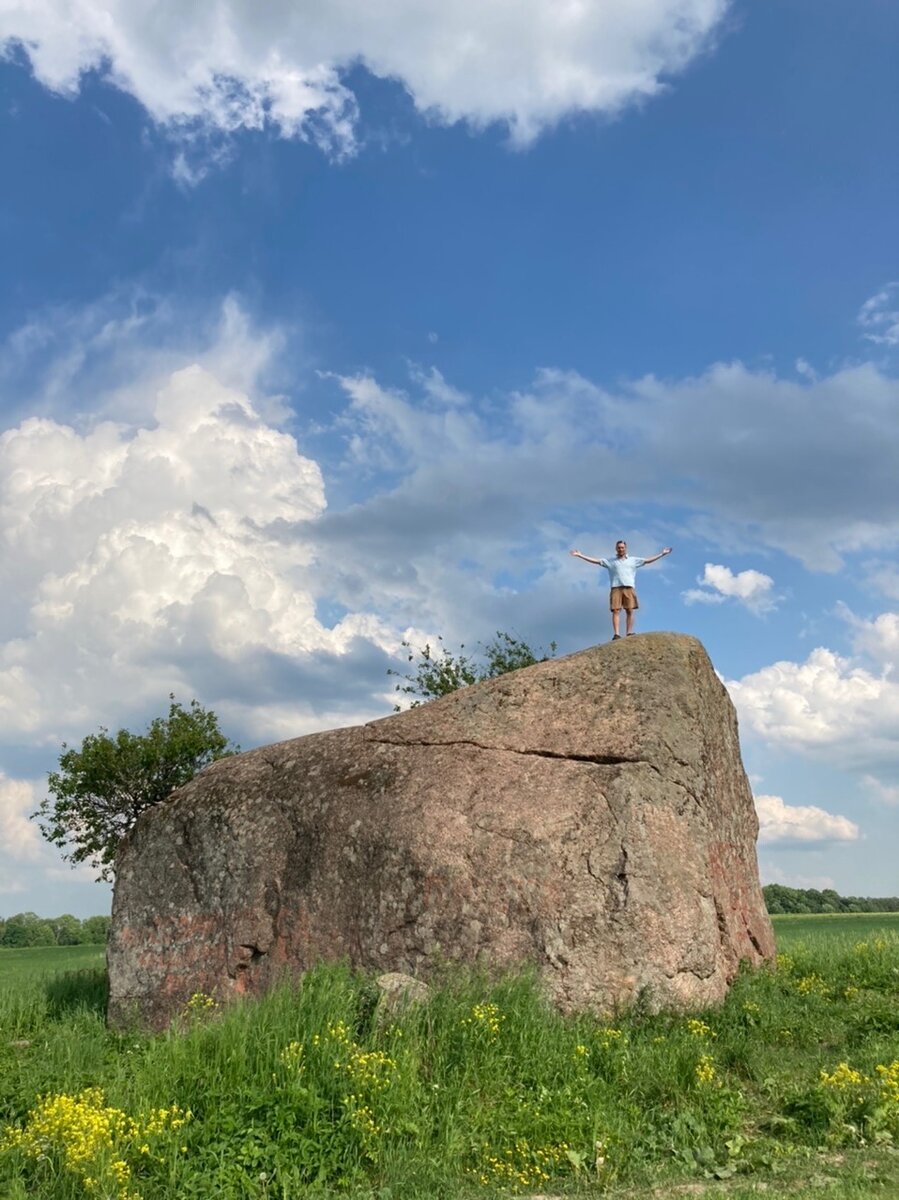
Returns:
point(342, 325)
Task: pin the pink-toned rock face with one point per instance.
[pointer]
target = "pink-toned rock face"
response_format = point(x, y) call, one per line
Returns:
point(589, 815)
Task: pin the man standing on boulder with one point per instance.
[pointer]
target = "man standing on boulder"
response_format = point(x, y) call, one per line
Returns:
point(622, 576)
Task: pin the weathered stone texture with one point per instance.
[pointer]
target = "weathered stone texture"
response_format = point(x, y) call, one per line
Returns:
point(589, 815)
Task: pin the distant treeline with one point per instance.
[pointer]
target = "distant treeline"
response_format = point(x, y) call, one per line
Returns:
point(780, 899)
point(28, 929)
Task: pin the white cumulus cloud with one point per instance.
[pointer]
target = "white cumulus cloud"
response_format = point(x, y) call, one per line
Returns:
point(837, 709)
point(230, 65)
point(877, 638)
point(25, 856)
point(718, 583)
point(815, 703)
point(801, 823)
point(19, 837)
point(142, 560)
point(829, 706)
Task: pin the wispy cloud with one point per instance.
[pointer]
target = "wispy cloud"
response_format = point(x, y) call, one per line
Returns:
point(702, 443)
point(884, 577)
point(882, 793)
point(772, 873)
point(879, 316)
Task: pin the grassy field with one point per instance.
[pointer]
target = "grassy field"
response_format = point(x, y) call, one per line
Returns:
point(831, 928)
point(18, 966)
point(790, 1089)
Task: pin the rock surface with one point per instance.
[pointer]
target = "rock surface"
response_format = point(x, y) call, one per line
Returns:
point(398, 993)
point(589, 815)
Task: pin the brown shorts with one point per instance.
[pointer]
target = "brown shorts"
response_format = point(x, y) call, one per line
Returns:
point(622, 598)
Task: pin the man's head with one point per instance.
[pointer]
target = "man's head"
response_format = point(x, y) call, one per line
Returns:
point(621, 549)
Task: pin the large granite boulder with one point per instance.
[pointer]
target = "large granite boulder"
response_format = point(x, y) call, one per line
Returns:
point(589, 815)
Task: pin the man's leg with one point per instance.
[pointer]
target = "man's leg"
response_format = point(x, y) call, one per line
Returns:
point(630, 605)
point(615, 607)
point(616, 617)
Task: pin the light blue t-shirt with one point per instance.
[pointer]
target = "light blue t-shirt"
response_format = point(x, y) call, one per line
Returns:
point(622, 571)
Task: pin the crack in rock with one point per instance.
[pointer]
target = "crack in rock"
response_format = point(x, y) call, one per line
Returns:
point(620, 885)
point(522, 839)
point(602, 760)
point(254, 956)
point(755, 941)
point(184, 853)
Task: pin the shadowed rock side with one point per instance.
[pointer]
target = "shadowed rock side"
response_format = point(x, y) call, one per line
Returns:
point(589, 815)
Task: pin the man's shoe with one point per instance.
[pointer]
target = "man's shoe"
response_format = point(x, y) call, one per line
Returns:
point(616, 637)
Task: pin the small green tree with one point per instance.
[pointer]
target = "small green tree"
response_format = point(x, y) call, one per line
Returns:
point(95, 930)
point(102, 787)
point(66, 930)
point(439, 672)
point(27, 929)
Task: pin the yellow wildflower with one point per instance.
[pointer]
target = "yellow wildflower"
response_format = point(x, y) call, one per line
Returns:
point(700, 1029)
point(522, 1166)
point(486, 1017)
point(199, 1002)
point(812, 985)
point(90, 1139)
point(610, 1037)
point(705, 1070)
point(842, 1078)
point(292, 1055)
point(889, 1082)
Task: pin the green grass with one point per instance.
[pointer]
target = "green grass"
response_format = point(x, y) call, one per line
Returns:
point(18, 966)
point(480, 1093)
point(830, 927)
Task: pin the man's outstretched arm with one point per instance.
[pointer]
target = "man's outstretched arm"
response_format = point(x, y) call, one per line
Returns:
point(597, 562)
point(655, 557)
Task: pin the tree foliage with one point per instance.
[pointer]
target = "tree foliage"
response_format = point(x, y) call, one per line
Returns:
point(67, 930)
point(103, 786)
point(782, 899)
point(437, 672)
point(28, 929)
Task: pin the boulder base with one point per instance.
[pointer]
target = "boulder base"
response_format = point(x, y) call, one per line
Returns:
point(589, 815)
